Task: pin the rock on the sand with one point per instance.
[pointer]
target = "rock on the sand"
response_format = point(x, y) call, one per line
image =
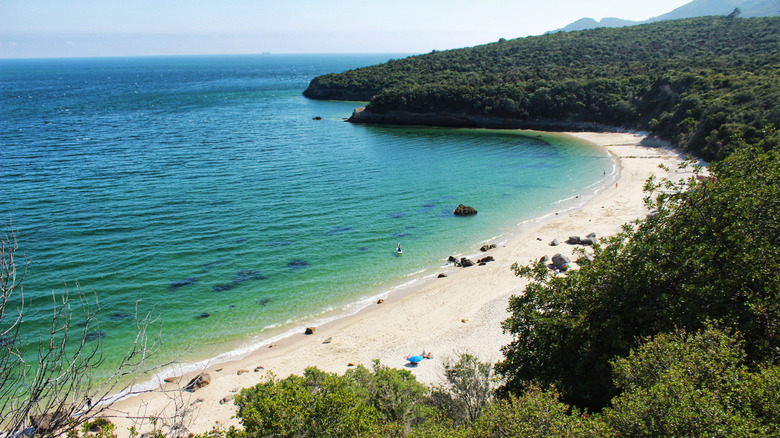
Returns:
point(560, 261)
point(484, 260)
point(466, 262)
point(198, 382)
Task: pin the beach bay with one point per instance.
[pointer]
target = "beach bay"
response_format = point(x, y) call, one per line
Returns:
point(203, 190)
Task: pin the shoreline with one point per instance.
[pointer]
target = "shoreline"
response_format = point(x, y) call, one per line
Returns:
point(448, 316)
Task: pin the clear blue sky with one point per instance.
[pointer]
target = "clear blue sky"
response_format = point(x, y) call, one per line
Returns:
point(66, 28)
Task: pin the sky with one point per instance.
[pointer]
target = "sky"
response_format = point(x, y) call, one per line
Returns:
point(87, 28)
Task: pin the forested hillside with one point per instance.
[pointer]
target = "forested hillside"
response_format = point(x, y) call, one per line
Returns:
point(700, 83)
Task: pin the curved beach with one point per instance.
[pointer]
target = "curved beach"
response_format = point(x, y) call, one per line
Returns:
point(446, 316)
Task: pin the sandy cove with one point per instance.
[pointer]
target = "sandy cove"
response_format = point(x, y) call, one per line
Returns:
point(447, 316)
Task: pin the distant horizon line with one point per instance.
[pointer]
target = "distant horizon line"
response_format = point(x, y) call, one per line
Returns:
point(31, 58)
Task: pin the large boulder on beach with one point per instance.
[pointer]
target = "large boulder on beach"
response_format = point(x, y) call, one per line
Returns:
point(198, 382)
point(484, 260)
point(555, 242)
point(561, 262)
point(466, 262)
point(464, 210)
point(487, 247)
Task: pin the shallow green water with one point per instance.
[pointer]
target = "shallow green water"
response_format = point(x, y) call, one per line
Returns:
point(201, 188)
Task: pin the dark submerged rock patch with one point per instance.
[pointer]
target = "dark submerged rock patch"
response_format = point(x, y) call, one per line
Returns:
point(240, 277)
point(184, 282)
point(119, 316)
point(248, 275)
point(297, 265)
point(338, 229)
point(223, 287)
point(94, 336)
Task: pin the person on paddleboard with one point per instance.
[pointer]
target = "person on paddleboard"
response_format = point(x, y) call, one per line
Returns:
point(399, 248)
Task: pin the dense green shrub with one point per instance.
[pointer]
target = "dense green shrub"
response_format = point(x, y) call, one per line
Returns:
point(710, 252)
point(359, 403)
point(678, 384)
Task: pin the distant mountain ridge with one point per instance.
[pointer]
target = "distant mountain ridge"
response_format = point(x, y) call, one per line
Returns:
point(696, 8)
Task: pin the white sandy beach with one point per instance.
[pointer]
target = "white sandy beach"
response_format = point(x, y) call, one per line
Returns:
point(447, 316)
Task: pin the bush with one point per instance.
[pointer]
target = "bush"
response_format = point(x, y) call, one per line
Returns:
point(712, 252)
point(385, 401)
point(678, 384)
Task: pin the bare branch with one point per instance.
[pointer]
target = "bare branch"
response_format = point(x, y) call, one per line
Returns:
point(49, 388)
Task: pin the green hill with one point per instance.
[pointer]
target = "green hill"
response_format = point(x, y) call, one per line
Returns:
point(706, 84)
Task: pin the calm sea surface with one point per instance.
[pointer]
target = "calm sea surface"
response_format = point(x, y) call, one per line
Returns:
point(201, 189)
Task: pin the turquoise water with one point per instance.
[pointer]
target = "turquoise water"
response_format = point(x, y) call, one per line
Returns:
point(202, 189)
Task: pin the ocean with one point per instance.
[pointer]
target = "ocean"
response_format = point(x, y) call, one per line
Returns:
point(203, 191)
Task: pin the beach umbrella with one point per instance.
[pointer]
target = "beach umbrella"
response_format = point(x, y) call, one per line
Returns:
point(415, 359)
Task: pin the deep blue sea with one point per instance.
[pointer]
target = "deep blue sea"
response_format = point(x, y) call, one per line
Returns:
point(201, 189)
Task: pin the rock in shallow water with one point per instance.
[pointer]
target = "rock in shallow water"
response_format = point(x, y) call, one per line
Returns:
point(464, 210)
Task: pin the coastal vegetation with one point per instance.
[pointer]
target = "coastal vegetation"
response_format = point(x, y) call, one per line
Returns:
point(708, 254)
point(699, 83)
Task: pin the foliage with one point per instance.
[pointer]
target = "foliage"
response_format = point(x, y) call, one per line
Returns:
point(325, 404)
point(711, 252)
point(697, 82)
point(396, 394)
point(536, 413)
point(468, 390)
point(693, 385)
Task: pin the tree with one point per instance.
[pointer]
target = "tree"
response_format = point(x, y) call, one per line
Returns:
point(382, 402)
point(396, 394)
point(536, 413)
point(469, 388)
point(50, 389)
point(710, 251)
point(317, 404)
point(680, 384)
